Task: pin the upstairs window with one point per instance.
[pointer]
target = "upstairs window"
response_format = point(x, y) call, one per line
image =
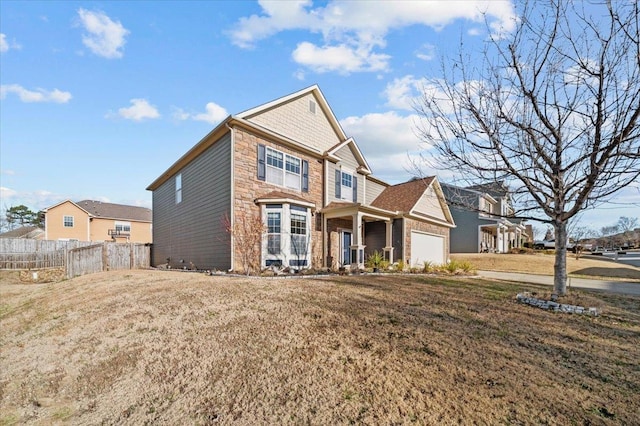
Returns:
point(282, 169)
point(346, 186)
point(179, 188)
point(123, 226)
point(67, 221)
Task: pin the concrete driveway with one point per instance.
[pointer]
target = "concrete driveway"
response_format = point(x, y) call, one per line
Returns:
point(618, 287)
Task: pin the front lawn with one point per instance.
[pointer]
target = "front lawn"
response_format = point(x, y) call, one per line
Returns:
point(160, 347)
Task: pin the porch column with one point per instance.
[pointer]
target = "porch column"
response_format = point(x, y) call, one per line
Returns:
point(357, 248)
point(388, 249)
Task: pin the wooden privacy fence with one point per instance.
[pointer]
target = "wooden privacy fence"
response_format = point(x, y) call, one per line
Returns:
point(107, 257)
point(78, 258)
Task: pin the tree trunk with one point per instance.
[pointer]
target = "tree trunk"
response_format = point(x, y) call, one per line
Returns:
point(560, 265)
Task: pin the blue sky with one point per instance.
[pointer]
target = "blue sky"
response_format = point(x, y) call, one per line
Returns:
point(99, 98)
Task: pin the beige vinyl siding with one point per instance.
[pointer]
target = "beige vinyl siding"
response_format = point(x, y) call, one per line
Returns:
point(349, 164)
point(55, 229)
point(429, 204)
point(192, 231)
point(373, 190)
point(294, 120)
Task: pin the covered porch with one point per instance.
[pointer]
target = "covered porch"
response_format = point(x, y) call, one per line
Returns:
point(501, 237)
point(353, 231)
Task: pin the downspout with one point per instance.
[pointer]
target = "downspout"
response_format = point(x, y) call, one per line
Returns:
point(232, 198)
point(324, 220)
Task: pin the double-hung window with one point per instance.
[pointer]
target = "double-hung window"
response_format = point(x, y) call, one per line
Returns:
point(67, 221)
point(292, 174)
point(275, 166)
point(346, 186)
point(123, 226)
point(299, 246)
point(179, 188)
point(274, 223)
point(282, 169)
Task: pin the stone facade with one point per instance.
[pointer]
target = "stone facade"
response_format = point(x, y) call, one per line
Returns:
point(415, 225)
point(247, 187)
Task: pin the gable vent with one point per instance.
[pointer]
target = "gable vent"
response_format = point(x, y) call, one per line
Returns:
point(312, 107)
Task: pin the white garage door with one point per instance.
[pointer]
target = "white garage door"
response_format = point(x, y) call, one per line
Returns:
point(425, 247)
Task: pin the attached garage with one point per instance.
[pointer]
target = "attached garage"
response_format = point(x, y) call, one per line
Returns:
point(427, 248)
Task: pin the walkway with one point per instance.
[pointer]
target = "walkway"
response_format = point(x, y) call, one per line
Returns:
point(619, 287)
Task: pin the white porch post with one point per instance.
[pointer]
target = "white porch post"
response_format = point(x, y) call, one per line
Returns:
point(388, 249)
point(357, 248)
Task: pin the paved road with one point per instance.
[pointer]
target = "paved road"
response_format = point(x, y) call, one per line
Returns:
point(629, 258)
point(619, 287)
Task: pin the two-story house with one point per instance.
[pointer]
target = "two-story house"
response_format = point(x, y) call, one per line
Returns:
point(484, 219)
point(90, 220)
point(290, 163)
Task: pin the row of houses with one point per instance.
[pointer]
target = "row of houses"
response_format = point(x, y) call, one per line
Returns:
point(290, 163)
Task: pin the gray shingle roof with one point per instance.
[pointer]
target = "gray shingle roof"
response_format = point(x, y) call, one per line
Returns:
point(116, 211)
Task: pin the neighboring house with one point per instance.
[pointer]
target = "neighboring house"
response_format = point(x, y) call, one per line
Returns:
point(290, 163)
point(31, 232)
point(482, 216)
point(90, 220)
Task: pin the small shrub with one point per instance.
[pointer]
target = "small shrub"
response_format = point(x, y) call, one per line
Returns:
point(384, 265)
point(400, 266)
point(457, 267)
point(428, 267)
point(375, 259)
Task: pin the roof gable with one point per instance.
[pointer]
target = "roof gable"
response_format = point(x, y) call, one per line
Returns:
point(333, 152)
point(304, 116)
point(405, 197)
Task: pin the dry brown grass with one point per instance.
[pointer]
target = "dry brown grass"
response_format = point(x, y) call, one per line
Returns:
point(543, 264)
point(153, 347)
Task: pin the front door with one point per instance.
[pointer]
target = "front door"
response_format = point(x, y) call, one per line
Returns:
point(345, 256)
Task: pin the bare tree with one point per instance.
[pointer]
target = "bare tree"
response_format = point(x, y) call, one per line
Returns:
point(626, 225)
point(553, 107)
point(247, 231)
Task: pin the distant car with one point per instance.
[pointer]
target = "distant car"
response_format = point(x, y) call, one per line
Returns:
point(550, 245)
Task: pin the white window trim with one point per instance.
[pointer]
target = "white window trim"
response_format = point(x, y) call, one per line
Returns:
point(123, 225)
point(64, 221)
point(344, 190)
point(285, 255)
point(283, 171)
point(178, 188)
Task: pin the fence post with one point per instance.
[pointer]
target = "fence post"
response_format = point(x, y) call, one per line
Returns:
point(105, 257)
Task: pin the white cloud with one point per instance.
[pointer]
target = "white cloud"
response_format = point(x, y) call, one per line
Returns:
point(213, 114)
point(139, 110)
point(353, 32)
point(340, 58)
point(6, 194)
point(388, 141)
point(104, 37)
point(427, 52)
point(5, 45)
point(37, 95)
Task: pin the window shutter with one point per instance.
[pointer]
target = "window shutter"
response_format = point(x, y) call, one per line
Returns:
point(338, 183)
point(305, 176)
point(261, 162)
point(355, 189)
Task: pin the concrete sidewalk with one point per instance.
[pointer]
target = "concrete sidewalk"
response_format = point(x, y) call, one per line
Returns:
point(619, 287)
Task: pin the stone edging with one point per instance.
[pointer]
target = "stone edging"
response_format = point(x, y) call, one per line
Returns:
point(549, 305)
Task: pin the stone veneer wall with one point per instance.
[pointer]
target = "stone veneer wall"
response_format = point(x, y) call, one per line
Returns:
point(247, 187)
point(416, 225)
point(334, 226)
